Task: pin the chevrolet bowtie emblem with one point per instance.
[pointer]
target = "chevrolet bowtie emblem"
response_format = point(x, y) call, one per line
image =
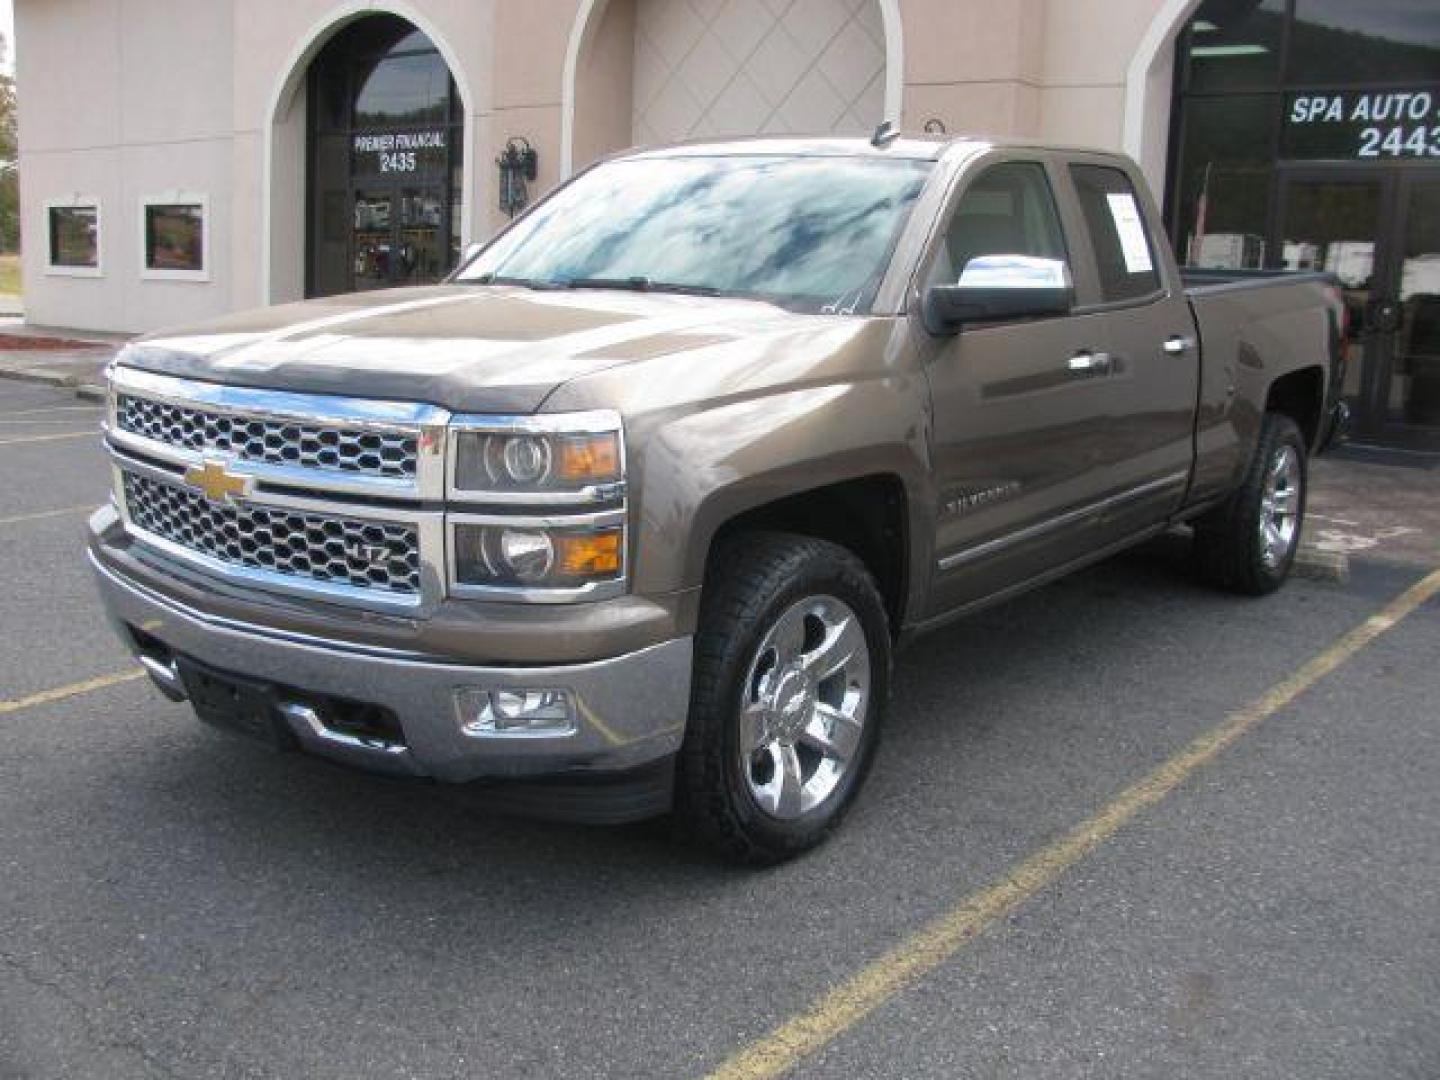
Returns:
point(217, 484)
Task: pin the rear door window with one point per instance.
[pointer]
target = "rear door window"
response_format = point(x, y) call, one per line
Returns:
point(1118, 234)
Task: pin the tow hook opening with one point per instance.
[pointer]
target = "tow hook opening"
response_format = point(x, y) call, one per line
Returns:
point(159, 663)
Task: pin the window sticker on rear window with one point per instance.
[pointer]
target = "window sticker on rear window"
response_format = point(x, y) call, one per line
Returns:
point(1131, 230)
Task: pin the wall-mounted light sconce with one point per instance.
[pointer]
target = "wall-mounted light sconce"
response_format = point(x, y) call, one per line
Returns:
point(518, 164)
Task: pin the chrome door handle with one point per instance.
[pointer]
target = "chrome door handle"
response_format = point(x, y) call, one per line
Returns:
point(1089, 363)
point(1178, 344)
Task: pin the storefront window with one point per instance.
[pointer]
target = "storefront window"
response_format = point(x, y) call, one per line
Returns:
point(1307, 137)
point(1365, 41)
point(386, 149)
point(413, 89)
point(75, 237)
point(1226, 164)
point(1235, 45)
point(175, 238)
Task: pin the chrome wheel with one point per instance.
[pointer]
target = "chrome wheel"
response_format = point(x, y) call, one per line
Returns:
point(803, 707)
point(1280, 507)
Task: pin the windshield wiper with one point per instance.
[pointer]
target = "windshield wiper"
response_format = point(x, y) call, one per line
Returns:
point(519, 282)
point(640, 284)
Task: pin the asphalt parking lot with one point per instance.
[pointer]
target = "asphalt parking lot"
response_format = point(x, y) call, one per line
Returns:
point(178, 903)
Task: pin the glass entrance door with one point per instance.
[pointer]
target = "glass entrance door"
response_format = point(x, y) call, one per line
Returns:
point(1330, 220)
point(398, 236)
point(1378, 231)
point(1410, 384)
point(372, 245)
point(386, 146)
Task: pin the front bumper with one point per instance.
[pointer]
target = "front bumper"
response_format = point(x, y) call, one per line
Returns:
point(630, 709)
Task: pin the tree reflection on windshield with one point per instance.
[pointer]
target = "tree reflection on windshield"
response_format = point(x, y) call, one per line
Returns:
point(811, 233)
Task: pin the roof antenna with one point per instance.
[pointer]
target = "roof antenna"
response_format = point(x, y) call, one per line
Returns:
point(885, 134)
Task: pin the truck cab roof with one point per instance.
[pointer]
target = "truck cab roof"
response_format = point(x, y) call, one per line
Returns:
point(911, 147)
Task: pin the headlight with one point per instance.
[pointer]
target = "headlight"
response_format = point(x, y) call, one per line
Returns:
point(523, 555)
point(536, 507)
point(537, 457)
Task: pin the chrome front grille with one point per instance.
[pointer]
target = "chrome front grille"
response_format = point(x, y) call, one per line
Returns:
point(347, 551)
point(271, 440)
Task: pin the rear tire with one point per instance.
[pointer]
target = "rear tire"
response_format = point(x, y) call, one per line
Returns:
point(1248, 545)
point(792, 673)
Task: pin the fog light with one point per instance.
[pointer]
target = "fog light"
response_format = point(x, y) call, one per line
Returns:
point(515, 711)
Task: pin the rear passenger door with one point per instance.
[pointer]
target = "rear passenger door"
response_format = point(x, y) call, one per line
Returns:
point(1150, 382)
point(1020, 416)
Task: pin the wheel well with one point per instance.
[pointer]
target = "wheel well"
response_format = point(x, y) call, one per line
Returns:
point(866, 516)
point(1300, 396)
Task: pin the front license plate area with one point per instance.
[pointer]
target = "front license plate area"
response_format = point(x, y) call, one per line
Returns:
point(223, 700)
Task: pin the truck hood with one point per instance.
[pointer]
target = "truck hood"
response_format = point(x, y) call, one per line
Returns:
point(467, 348)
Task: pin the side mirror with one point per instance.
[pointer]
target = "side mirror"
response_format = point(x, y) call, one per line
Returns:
point(996, 287)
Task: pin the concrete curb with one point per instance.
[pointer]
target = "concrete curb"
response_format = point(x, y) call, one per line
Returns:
point(1317, 565)
point(86, 391)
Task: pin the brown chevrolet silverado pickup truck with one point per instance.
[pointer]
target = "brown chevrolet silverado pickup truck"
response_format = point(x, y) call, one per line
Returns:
point(628, 516)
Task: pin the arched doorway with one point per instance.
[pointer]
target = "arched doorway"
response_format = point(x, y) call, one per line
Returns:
point(660, 71)
point(385, 152)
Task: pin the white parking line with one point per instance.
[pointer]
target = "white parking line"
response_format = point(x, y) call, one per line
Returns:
point(50, 409)
point(31, 422)
point(51, 438)
point(41, 515)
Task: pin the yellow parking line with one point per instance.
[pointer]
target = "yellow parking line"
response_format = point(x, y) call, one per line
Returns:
point(40, 515)
point(60, 693)
point(51, 438)
point(862, 993)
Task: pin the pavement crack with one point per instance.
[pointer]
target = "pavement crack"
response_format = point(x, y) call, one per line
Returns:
point(100, 1038)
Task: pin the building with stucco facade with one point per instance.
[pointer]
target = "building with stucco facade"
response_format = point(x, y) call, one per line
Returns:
point(185, 158)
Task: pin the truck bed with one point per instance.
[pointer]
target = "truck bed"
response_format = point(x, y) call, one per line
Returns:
point(1198, 279)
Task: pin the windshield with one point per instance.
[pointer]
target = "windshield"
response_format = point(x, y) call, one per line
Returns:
point(808, 233)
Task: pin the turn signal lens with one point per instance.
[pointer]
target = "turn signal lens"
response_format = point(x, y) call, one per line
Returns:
point(589, 555)
point(590, 458)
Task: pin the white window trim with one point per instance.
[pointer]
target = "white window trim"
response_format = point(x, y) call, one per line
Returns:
point(177, 198)
point(72, 203)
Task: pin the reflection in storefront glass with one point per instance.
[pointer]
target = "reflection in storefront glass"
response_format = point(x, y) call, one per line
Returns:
point(404, 90)
point(372, 247)
point(1226, 166)
point(1414, 394)
point(175, 237)
point(1330, 226)
point(1235, 45)
point(75, 236)
point(1365, 41)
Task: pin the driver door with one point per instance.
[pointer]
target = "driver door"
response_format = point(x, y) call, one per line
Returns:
point(1020, 408)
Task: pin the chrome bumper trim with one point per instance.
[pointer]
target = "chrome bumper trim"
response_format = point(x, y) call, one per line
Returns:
point(631, 709)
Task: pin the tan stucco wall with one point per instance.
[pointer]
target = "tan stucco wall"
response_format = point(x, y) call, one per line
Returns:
point(123, 98)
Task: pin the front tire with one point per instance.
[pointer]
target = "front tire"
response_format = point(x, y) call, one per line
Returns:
point(792, 673)
point(1248, 545)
